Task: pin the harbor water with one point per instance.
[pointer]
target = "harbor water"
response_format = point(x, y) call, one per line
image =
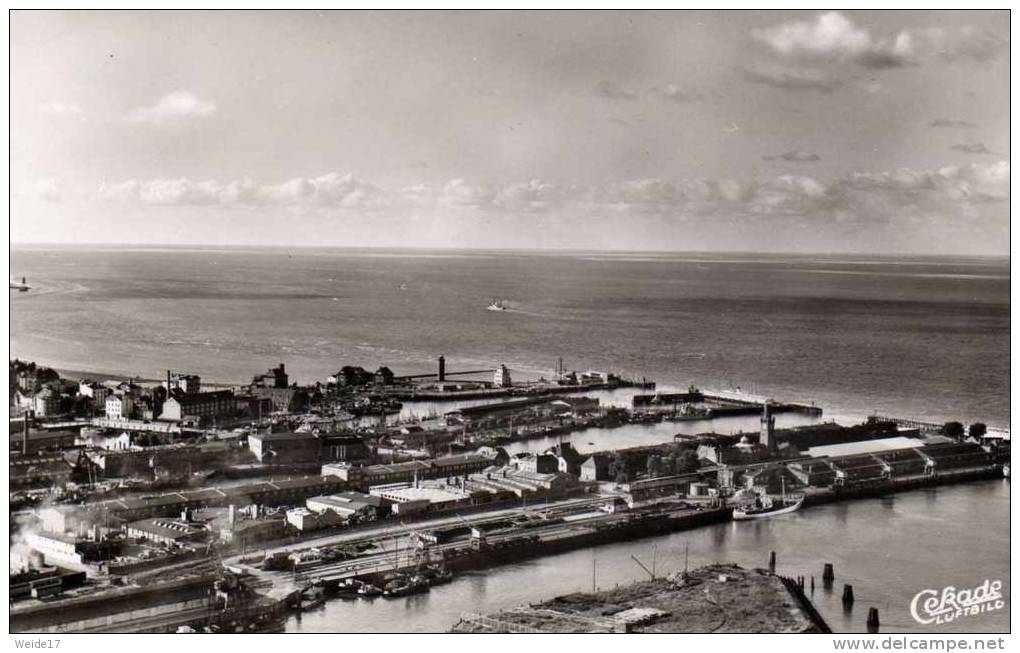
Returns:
point(888, 548)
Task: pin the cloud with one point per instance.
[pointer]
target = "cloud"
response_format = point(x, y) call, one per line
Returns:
point(952, 184)
point(50, 190)
point(458, 192)
point(173, 107)
point(676, 93)
point(532, 196)
point(971, 148)
point(926, 197)
point(62, 110)
point(800, 156)
point(946, 123)
point(331, 190)
point(789, 79)
point(834, 37)
point(610, 90)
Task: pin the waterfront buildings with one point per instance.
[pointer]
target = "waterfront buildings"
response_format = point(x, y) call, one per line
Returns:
point(201, 407)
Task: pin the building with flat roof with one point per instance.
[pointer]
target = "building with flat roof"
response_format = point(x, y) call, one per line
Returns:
point(356, 505)
point(282, 448)
point(406, 499)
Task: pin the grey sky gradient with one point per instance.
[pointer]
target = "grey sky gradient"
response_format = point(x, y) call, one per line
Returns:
point(775, 131)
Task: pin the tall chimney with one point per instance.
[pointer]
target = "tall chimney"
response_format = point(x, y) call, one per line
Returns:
point(168, 383)
point(442, 369)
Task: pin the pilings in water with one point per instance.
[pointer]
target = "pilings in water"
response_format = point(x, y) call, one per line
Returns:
point(873, 620)
point(828, 575)
point(812, 584)
point(848, 596)
point(772, 562)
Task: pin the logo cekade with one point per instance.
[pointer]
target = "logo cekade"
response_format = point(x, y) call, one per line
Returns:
point(934, 607)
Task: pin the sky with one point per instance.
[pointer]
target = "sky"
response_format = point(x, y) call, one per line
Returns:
point(828, 132)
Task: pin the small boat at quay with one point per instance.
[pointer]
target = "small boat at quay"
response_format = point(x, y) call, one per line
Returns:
point(765, 506)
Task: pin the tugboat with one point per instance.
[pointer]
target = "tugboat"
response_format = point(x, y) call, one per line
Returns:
point(496, 305)
point(765, 506)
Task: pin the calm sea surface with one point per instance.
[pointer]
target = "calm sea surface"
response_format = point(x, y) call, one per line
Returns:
point(919, 337)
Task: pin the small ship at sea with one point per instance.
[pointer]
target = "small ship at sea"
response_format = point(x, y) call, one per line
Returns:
point(496, 305)
point(21, 287)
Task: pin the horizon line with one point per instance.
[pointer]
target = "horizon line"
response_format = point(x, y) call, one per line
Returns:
point(12, 245)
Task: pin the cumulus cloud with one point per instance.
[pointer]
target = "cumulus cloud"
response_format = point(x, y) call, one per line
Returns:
point(947, 123)
point(854, 200)
point(834, 37)
point(62, 110)
point(789, 78)
point(973, 183)
point(611, 90)
point(173, 107)
point(329, 190)
point(531, 196)
point(800, 156)
point(458, 192)
point(971, 148)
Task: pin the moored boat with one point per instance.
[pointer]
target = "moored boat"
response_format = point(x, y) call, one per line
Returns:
point(766, 506)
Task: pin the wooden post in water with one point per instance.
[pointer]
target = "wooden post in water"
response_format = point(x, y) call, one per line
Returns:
point(772, 562)
point(812, 584)
point(848, 596)
point(873, 620)
point(828, 575)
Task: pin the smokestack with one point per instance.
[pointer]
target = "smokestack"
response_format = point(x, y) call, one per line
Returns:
point(442, 368)
point(168, 383)
point(231, 516)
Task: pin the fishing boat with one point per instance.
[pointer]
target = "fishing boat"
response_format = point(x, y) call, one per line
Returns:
point(496, 305)
point(765, 506)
